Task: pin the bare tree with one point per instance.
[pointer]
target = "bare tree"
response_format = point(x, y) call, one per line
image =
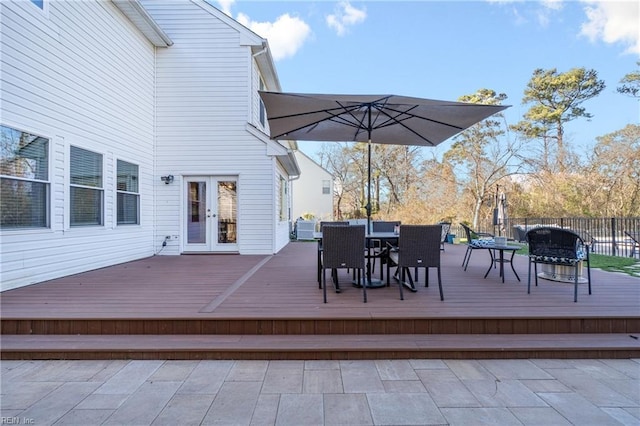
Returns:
point(484, 154)
point(614, 174)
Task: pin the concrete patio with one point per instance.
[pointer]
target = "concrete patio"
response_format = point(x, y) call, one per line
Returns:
point(367, 392)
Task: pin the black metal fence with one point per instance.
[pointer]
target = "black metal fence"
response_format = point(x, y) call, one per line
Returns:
point(607, 234)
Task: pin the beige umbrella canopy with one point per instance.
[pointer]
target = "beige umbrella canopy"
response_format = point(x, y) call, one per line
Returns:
point(384, 119)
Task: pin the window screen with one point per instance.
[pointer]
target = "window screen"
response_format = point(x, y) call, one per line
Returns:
point(87, 194)
point(128, 194)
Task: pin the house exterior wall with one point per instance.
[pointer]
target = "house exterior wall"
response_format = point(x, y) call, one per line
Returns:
point(79, 74)
point(307, 193)
point(205, 101)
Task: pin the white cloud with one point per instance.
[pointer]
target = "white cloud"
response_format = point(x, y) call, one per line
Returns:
point(552, 4)
point(613, 22)
point(225, 5)
point(543, 11)
point(345, 16)
point(286, 35)
point(549, 7)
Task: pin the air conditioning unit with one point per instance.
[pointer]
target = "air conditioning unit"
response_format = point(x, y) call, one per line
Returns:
point(305, 229)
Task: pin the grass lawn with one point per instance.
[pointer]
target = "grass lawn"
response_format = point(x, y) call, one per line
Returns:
point(625, 265)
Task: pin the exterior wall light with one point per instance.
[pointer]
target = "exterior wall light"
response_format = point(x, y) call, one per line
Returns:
point(167, 179)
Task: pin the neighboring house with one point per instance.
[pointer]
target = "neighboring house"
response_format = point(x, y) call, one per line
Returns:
point(133, 128)
point(313, 191)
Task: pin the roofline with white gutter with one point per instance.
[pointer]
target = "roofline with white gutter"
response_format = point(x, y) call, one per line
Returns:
point(139, 16)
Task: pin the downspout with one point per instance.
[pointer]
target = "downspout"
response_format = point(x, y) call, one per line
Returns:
point(291, 179)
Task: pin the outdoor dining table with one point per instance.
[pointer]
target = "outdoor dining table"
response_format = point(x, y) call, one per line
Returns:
point(383, 236)
point(500, 259)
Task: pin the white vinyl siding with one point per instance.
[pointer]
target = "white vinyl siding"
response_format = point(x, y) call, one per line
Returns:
point(82, 75)
point(203, 82)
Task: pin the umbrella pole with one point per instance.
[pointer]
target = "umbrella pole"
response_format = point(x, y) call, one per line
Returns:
point(369, 171)
point(368, 207)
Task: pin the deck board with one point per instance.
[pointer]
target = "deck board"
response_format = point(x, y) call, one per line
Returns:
point(319, 347)
point(270, 307)
point(186, 287)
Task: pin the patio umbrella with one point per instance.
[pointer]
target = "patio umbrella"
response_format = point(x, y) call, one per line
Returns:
point(500, 210)
point(383, 119)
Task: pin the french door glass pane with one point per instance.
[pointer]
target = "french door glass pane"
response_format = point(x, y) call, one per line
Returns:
point(197, 214)
point(227, 212)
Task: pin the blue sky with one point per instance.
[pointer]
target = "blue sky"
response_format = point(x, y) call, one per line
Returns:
point(446, 49)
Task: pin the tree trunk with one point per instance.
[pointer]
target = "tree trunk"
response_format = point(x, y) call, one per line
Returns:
point(476, 212)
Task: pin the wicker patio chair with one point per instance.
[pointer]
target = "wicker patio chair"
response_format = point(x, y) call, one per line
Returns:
point(322, 225)
point(519, 233)
point(557, 246)
point(475, 241)
point(418, 247)
point(343, 247)
point(378, 247)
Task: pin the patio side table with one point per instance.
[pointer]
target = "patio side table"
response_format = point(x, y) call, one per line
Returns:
point(500, 259)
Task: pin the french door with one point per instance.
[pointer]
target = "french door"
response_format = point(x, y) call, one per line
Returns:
point(211, 214)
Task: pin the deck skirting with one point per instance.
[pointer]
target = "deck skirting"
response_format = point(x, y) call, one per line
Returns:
point(335, 326)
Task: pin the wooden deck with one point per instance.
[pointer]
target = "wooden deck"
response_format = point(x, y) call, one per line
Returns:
point(231, 306)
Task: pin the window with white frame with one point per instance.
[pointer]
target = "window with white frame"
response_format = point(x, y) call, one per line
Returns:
point(87, 191)
point(262, 108)
point(128, 193)
point(326, 187)
point(39, 3)
point(24, 180)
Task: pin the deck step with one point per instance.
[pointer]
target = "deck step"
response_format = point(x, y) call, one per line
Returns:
point(394, 346)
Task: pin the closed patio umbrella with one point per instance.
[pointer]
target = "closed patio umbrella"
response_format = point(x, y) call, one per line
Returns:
point(383, 119)
point(502, 212)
